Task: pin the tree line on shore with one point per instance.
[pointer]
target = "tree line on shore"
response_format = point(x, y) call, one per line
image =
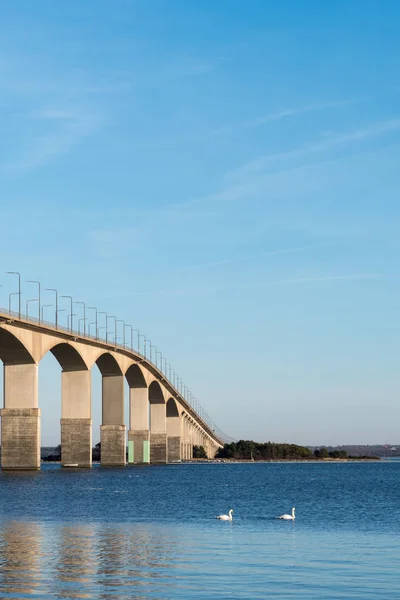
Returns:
point(249, 450)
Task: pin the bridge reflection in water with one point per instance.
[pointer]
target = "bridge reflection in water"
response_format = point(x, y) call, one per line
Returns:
point(40, 560)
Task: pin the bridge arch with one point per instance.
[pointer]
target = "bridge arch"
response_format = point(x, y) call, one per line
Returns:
point(68, 357)
point(135, 377)
point(108, 365)
point(156, 395)
point(12, 350)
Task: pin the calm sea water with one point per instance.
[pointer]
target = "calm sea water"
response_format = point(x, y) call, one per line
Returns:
point(149, 532)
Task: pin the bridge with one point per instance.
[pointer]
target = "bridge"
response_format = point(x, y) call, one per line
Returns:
point(164, 421)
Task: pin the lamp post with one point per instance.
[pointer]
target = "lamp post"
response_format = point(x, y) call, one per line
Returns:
point(151, 354)
point(70, 312)
point(131, 334)
point(123, 330)
point(141, 335)
point(98, 329)
point(158, 353)
point(44, 306)
point(101, 312)
point(84, 316)
point(138, 336)
point(79, 325)
point(27, 305)
point(19, 290)
point(38, 284)
point(147, 342)
point(9, 300)
point(165, 366)
point(115, 327)
point(70, 316)
point(54, 290)
point(61, 310)
point(95, 309)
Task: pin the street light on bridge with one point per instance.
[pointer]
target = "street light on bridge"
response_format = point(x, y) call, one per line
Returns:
point(9, 300)
point(152, 346)
point(38, 284)
point(44, 306)
point(95, 323)
point(70, 313)
point(123, 330)
point(70, 316)
point(115, 327)
point(101, 312)
point(158, 353)
point(27, 305)
point(79, 325)
point(141, 335)
point(138, 338)
point(54, 290)
point(84, 316)
point(19, 290)
point(131, 334)
point(61, 310)
point(98, 329)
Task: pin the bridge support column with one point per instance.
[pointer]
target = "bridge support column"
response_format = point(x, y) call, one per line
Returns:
point(190, 445)
point(187, 439)
point(173, 432)
point(158, 433)
point(112, 430)
point(20, 418)
point(76, 422)
point(183, 433)
point(139, 433)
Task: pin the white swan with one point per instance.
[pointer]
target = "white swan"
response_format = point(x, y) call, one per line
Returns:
point(288, 517)
point(227, 517)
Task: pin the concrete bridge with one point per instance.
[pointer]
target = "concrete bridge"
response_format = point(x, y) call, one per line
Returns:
point(163, 426)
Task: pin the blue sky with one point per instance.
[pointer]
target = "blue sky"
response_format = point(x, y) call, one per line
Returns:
point(225, 177)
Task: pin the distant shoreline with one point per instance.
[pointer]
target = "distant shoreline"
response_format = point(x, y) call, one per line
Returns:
point(282, 460)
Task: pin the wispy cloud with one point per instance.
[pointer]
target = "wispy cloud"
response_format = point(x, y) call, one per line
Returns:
point(270, 174)
point(352, 277)
point(209, 290)
point(328, 141)
point(65, 128)
point(259, 121)
point(238, 259)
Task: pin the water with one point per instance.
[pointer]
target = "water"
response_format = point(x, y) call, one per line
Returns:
point(149, 532)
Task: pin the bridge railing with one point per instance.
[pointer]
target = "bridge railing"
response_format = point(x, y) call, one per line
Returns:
point(203, 419)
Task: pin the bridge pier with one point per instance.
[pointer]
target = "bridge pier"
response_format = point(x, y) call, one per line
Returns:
point(187, 438)
point(112, 430)
point(76, 422)
point(158, 434)
point(20, 418)
point(139, 433)
point(173, 432)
